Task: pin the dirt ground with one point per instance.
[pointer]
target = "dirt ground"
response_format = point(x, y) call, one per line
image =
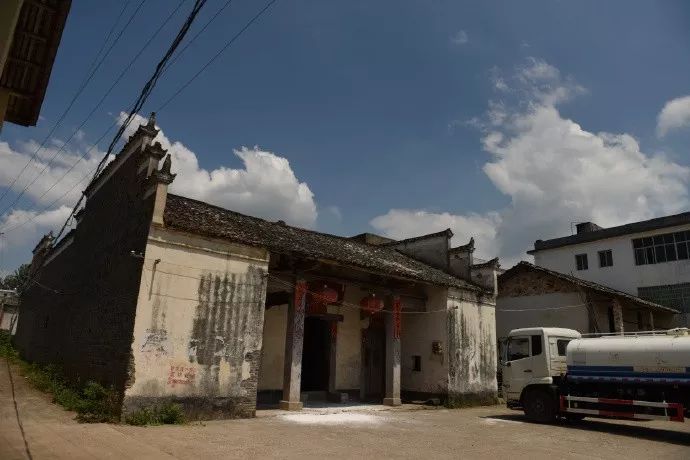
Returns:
point(344, 432)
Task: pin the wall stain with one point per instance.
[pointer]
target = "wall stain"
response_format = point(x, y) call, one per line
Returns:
point(227, 326)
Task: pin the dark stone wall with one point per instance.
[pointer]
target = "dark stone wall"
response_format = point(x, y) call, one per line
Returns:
point(79, 312)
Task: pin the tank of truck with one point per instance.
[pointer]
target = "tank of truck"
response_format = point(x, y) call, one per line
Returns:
point(644, 358)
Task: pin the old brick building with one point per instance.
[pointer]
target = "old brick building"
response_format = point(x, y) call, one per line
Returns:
point(169, 298)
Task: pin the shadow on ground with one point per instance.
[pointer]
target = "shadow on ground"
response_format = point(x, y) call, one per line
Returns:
point(639, 430)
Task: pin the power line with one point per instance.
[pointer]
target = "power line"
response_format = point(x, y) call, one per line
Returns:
point(218, 54)
point(88, 117)
point(193, 39)
point(81, 88)
point(166, 67)
point(143, 96)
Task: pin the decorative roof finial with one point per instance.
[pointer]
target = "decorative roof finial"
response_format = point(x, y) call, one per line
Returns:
point(165, 169)
point(152, 120)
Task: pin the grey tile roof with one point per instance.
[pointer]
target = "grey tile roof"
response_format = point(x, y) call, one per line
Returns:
point(197, 217)
point(627, 229)
point(600, 288)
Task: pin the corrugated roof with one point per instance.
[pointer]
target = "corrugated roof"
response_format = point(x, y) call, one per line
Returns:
point(600, 288)
point(202, 218)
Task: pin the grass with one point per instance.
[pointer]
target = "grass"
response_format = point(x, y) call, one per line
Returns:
point(92, 402)
point(167, 414)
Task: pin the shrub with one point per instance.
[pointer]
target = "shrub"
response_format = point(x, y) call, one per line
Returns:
point(168, 414)
point(92, 402)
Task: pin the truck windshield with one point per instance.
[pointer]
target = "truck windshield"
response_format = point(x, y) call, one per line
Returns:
point(518, 348)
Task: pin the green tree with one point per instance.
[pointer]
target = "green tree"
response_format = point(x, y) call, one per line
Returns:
point(17, 279)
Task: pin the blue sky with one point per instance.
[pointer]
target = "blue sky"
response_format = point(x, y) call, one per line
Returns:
point(393, 105)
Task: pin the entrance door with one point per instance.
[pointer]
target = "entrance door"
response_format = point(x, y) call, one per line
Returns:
point(316, 353)
point(374, 363)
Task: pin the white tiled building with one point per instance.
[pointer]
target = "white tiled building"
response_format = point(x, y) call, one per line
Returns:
point(650, 259)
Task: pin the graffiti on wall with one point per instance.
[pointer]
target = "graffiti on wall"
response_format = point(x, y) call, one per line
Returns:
point(181, 375)
point(155, 344)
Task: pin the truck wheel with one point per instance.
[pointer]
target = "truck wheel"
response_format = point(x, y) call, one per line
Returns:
point(539, 406)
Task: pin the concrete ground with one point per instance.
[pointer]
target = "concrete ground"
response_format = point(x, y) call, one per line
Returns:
point(354, 432)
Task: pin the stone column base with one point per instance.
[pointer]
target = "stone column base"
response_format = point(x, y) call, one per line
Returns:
point(290, 405)
point(392, 402)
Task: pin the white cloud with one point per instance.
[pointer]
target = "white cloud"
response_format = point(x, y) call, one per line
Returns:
point(406, 223)
point(674, 115)
point(460, 38)
point(266, 186)
point(16, 245)
point(51, 176)
point(555, 172)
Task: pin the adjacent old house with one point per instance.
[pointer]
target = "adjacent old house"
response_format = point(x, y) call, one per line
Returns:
point(169, 298)
point(529, 295)
point(9, 305)
point(649, 259)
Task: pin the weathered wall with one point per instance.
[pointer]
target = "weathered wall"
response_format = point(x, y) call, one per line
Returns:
point(80, 313)
point(472, 349)
point(349, 341)
point(545, 316)
point(432, 250)
point(199, 324)
point(273, 349)
point(418, 332)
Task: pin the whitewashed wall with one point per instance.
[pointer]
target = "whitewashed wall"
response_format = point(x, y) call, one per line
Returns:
point(472, 350)
point(199, 322)
point(418, 332)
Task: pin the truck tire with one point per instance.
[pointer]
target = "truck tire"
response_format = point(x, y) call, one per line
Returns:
point(539, 405)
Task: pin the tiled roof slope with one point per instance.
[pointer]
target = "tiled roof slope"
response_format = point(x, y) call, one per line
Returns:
point(202, 218)
point(600, 288)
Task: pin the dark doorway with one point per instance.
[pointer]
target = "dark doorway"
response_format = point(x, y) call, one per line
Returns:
point(374, 362)
point(316, 354)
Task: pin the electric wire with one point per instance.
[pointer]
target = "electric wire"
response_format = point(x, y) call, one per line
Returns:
point(170, 99)
point(218, 54)
point(143, 96)
point(81, 88)
point(88, 117)
point(141, 99)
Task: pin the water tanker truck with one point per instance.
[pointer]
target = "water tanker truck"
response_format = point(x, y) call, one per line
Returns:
point(553, 373)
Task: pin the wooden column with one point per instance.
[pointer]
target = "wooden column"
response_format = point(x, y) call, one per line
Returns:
point(294, 338)
point(617, 317)
point(650, 319)
point(393, 321)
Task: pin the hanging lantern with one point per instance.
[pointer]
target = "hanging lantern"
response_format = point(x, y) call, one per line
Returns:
point(320, 297)
point(371, 304)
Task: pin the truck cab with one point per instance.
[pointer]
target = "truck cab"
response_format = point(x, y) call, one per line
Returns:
point(534, 358)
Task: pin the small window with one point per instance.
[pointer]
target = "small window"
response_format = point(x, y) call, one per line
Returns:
point(581, 261)
point(518, 348)
point(536, 345)
point(562, 345)
point(417, 363)
point(606, 258)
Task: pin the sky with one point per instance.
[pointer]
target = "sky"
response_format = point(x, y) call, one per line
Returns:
point(504, 121)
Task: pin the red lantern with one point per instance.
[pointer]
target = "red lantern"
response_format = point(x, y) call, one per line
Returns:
point(321, 297)
point(371, 304)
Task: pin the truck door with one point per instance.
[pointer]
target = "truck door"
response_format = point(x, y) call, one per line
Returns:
point(517, 367)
